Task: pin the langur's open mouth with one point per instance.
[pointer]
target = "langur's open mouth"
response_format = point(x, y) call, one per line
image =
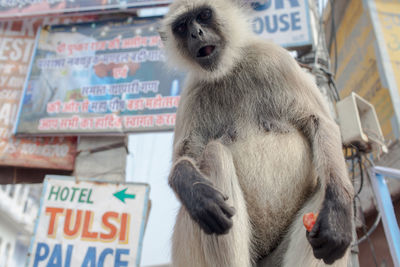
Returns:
point(205, 51)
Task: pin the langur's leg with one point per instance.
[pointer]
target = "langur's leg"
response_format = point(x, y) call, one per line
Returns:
point(191, 246)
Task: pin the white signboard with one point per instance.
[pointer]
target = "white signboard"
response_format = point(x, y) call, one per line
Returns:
point(89, 224)
point(285, 22)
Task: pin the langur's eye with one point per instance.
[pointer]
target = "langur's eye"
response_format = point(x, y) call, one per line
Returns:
point(204, 15)
point(180, 29)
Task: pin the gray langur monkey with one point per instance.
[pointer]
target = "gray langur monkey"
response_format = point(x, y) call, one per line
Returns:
point(254, 149)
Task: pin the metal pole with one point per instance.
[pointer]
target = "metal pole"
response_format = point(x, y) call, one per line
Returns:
point(385, 207)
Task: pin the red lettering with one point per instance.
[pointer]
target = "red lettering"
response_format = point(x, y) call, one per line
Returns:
point(54, 212)
point(87, 225)
point(112, 229)
point(67, 224)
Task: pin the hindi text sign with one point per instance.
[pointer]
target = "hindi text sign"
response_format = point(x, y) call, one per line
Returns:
point(99, 78)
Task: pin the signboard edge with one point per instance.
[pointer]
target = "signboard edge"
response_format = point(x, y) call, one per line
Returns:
point(143, 226)
point(45, 182)
point(27, 78)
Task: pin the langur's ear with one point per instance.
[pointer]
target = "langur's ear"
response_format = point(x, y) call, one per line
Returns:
point(162, 34)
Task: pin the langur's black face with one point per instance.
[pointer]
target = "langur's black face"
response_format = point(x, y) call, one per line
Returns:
point(199, 37)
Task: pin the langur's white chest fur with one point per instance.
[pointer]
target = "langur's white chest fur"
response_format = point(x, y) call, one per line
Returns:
point(273, 167)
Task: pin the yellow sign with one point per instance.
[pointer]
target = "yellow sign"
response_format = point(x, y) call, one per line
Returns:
point(358, 64)
point(389, 18)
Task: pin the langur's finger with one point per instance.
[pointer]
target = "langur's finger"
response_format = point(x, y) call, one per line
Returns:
point(209, 223)
point(228, 211)
point(315, 242)
point(205, 227)
point(315, 230)
point(220, 219)
point(335, 254)
point(214, 218)
point(323, 251)
point(331, 258)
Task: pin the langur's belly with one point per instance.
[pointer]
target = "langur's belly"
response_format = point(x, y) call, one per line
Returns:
point(276, 175)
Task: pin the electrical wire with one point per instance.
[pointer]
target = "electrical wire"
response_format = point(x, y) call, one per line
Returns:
point(377, 219)
point(370, 231)
point(333, 34)
point(331, 83)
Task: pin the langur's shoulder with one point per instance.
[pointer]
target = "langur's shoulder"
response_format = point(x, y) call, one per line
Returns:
point(266, 47)
point(266, 53)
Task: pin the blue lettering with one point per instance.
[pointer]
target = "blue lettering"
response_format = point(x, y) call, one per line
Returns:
point(294, 3)
point(90, 258)
point(68, 256)
point(279, 4)
point(39, 256)
point(284, 22)
point(118, 262)
point(258, 25)
point(103, 256)
point(260, 7)
point(274, 28)
point(55, 258)
point(277, 23)
point(295, 17)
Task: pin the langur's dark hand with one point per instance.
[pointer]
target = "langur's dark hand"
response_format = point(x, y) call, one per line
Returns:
point(331, 235)
point(209, 209)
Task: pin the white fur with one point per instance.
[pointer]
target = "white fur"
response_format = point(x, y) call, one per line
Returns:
point(191, 246)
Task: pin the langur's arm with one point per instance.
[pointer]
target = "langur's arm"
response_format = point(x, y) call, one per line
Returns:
point(332, 233)
point(205, 204)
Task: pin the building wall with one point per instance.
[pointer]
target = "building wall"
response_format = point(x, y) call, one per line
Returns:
point(7, 244)
point(18, 211)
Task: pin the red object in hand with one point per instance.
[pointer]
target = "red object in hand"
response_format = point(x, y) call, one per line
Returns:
point(309, 220)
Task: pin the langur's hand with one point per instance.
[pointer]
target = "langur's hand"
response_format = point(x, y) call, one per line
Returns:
point(331, 235)
point(209, 209)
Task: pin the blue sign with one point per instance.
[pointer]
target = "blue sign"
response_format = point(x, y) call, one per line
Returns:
point(285, 22)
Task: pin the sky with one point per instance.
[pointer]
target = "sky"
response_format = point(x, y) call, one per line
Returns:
point(149, 161)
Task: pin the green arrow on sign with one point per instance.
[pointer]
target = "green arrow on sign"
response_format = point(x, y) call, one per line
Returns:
point(121, 195)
